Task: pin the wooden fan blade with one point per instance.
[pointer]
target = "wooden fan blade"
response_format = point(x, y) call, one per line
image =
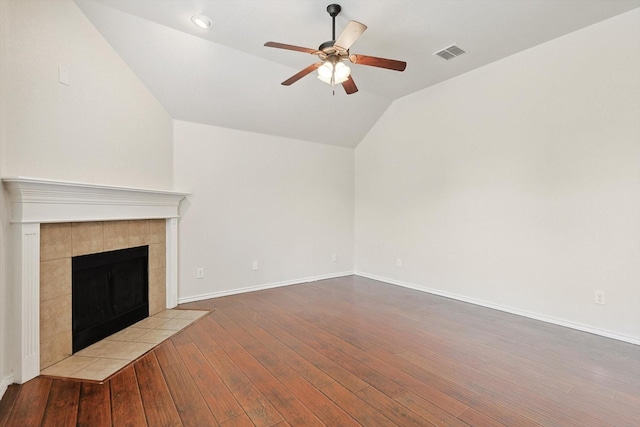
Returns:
point(301, 74)
point(292, 47)
point(390, 64)
point(349, 86)
point(349, 35)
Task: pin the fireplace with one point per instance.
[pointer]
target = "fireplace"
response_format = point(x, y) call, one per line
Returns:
point(61, 243)
point(110, 291)
point(53, 221)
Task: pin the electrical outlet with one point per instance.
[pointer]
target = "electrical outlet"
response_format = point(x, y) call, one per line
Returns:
point(399, 263)
point(334, 257)
point(199, 273)
point(254, 266)
point(599, 297)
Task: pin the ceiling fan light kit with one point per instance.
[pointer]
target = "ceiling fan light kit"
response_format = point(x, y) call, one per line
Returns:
point(332, 70)
point(333, 73)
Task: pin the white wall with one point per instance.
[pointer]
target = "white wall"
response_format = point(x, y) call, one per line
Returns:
point(6, 376)
point(285, 203)
point(105, 127)
point(5, 297)
point(516, 185)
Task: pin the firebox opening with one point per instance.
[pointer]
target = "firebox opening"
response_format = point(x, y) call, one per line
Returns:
point(110, 291)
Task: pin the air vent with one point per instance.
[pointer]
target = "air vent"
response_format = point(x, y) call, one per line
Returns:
point(449, 52)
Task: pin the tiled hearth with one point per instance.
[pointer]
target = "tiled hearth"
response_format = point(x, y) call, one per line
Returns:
point(104, 358)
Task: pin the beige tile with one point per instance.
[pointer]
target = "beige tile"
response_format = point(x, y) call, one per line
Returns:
point(138, 233)
point(176, 324)
point(157, 231)
point(55, 241)
point(168, 314)
point(131, 350)
point(191, 314)
point(69, 366)
point(157, 256)
point(116, 235)
point(129, 335)
point(157, 291)
point(55, 278)
point(101, 369)
point(155, 336)
point(157, 303)
point(150, 323)
point(157, 281)
point(87, 238)
point(54, 349)
point(55, 316)
point(104, 348)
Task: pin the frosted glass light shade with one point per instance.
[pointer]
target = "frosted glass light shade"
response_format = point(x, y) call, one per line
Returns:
point(340, 72)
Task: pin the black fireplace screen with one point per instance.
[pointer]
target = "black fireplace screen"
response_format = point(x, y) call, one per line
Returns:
point(110, 292)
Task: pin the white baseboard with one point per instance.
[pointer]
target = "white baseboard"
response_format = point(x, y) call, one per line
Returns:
point(4, 384)
point(201, 297)
point(507, 309)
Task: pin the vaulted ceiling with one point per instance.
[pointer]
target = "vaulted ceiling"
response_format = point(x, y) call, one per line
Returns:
point(224, 76)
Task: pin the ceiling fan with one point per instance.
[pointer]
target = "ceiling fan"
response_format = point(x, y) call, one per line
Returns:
point(332, 53)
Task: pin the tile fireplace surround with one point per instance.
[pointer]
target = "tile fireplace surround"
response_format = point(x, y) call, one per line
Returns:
point(41, 206)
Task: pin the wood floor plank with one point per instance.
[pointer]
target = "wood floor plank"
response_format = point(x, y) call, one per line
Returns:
point(192, 408)
point(446, 400)
point(217, 396)
point(7, 403)
point(523, 408)
point(360, 410)
point(241, 420)
point(127, 409)
point(248, 319)
point(62, 405)
point(30, 404)
point(442, 385)
point(341, 352)
point(428, 411)
point(351, 351)
point(390, 408)
point(261, 412)
point(310, 396)
point(478, 419)
point(167, 355)
point(159, 407)
point(94, 409)
point(531, 405)
point(322, 362)
point(287, 404)
point(201, 337)
point(381, 360)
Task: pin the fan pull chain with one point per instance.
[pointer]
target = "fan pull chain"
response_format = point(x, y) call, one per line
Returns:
point(333, 77)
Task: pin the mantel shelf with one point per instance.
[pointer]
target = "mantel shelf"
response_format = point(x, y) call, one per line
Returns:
point(42, 201)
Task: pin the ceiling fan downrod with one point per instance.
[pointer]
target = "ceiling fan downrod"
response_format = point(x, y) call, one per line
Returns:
point(333, 10)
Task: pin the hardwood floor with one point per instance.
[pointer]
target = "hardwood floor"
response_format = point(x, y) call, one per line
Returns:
point(349, 352)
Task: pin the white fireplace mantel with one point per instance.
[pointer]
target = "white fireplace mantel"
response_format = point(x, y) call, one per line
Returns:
point(38, 201)
point(45, 201)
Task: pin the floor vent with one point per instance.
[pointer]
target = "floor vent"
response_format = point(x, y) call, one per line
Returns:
point(449, 52)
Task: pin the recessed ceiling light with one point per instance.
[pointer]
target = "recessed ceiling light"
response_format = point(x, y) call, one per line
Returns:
point(201, 21)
